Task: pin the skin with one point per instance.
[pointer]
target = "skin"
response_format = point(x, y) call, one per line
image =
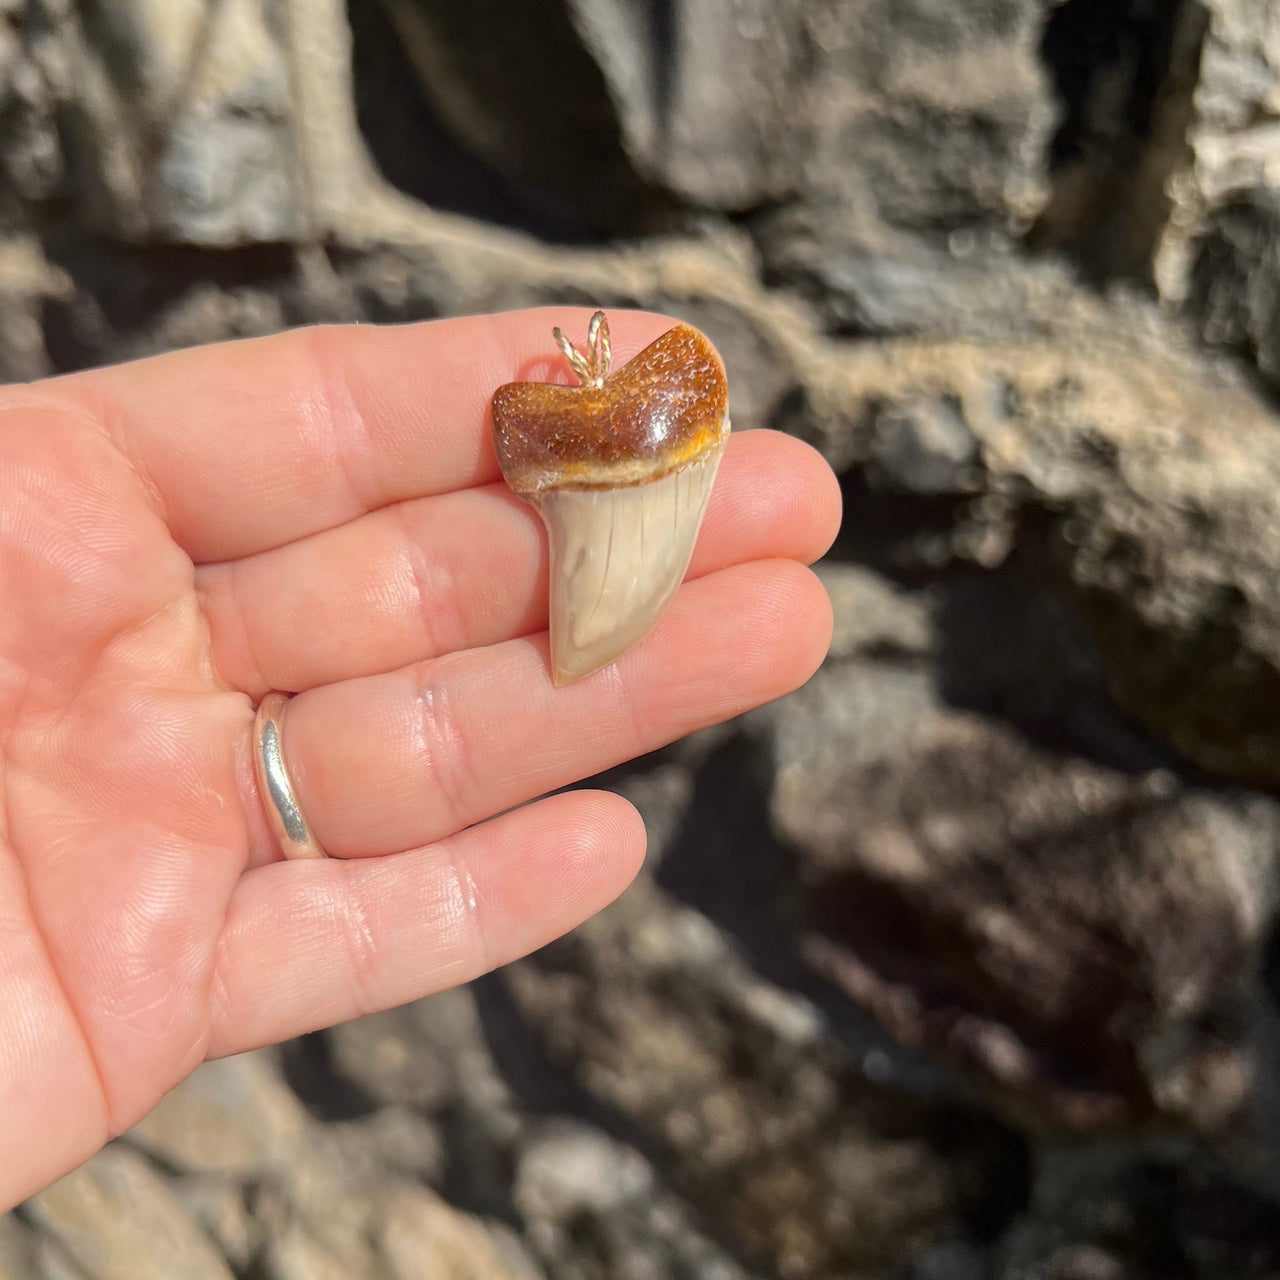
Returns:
point(319, 512)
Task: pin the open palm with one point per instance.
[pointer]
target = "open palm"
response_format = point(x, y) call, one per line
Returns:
point(317, 512)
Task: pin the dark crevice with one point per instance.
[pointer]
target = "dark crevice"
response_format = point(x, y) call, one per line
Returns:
point(498, 139)
point(478, 1171)
point(885, 529)
point(1089, 42)
point(1012, 650)
point(1269, 962)
point(133, 284)
point(122, 290)
point(1233, 289)
point(664, 71)
point(307, 1064)
point(411, 146)
point(1124, 73)
point(727, 864)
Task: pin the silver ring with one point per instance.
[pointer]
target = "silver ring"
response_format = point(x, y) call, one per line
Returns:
point(290, 827)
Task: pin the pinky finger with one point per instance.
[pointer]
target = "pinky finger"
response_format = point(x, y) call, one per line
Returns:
point(312, 944)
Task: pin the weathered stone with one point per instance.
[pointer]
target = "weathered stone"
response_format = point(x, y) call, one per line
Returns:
point(757, 1111)
point(925, 447)
point(34, 74)
point(17, 1250)
point(119, 1221)
point(1167, 130)
point(394, 1057)
point(1108, 1215)
point(1232, 131)
point(195, 123)
point(1080, 938)
point(394, 1139)
point(292, 1253)
point(727, 140)
point(964, 288)
point(594, 1208)
point(419, 1237)
point(922, 133)
point(954, 1260)
point(1235, 278)
point(567, 1169)
point(28, 283)
point(434, 1056)
point(53, 1262)
point(884, 129)
point(234, 1116)
point(221, 1206)
point(1048, 501)
point(338, 1208)
point(182, 122)
point(314, 1215)
point(1153, 485)
point(872, 616)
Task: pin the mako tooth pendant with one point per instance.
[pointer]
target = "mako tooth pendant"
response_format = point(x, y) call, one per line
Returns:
point(620, 469)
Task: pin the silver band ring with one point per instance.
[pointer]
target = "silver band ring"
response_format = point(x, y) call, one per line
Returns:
point(290, 827)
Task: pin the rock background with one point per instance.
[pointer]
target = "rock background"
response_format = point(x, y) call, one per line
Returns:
point(960, 964)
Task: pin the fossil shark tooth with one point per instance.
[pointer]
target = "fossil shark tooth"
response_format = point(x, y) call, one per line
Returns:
point(620, 469)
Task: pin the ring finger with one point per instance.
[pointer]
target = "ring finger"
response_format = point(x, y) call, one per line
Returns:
point(393, 761)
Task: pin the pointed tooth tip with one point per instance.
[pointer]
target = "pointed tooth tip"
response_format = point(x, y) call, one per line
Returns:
point(562, 679)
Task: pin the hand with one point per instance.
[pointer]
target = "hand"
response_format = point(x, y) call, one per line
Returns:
point(320, 512)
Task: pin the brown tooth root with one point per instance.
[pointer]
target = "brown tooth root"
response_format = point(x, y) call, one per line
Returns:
point(620, 469)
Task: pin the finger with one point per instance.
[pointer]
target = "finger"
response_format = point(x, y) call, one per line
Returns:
point(436, 575)
point(250, 445)
point(311, 944)
point(393, 761)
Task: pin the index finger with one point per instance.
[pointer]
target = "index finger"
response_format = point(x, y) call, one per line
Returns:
point(250, 445)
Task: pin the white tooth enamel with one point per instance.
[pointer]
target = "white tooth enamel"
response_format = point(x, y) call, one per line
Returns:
point(617, 558)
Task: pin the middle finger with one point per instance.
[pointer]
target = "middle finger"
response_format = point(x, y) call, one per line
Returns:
point(393, 761)
point(441, 574)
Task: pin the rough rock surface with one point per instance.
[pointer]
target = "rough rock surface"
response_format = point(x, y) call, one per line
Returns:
point(1164, 166)
point(1143, 488)
point(1077, 933)
point(117, 1220)
point(808, 1166)
point(960, 964)
point(1162, 1214)
point(1234, 124)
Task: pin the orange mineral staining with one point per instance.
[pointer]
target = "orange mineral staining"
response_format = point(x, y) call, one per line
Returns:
point(620, 469)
